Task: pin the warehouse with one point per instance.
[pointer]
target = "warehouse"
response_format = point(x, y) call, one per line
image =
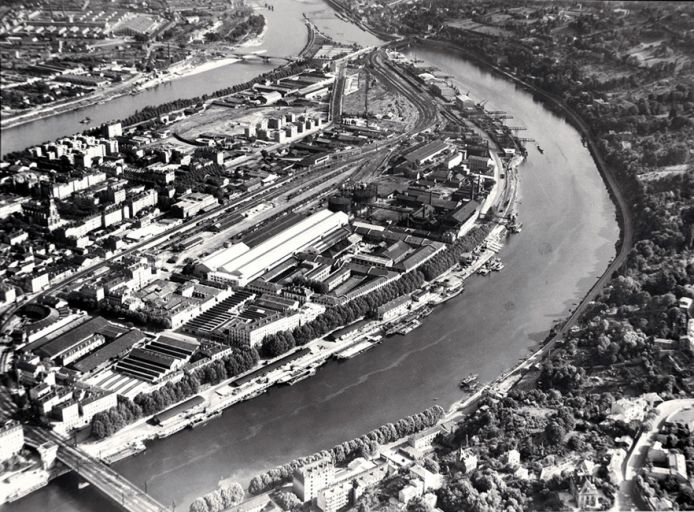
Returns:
point(426, 152)
point(110, 352)
point(75, 343)
point(240, 265)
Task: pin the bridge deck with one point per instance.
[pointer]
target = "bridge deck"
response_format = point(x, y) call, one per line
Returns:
point(104, 478)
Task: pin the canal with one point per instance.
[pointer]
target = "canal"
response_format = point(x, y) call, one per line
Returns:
point(568, 238)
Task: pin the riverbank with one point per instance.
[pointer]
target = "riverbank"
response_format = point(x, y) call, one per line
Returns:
point(507, 380)
point(130, 440)
point(556, 105)
point(134, 85)
point(341, 10)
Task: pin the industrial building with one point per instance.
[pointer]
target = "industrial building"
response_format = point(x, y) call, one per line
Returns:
point(109, 353)
point(77, 342)
point(426, 152)
point(240, 264)
point(158, 359)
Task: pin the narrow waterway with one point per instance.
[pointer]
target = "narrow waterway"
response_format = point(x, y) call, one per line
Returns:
point(567, 240)
point(285, 36)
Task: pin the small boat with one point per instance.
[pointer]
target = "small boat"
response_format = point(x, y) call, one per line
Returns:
point(542, 151)
point(469, 381)
point(409, 327)
point(86, 120)
point(483, 271)
point(301, 376)
point(516, 228)
point(425, 312)
point(496, 265)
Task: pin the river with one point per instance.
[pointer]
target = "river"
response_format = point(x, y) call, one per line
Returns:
point(568, 239)
point(285, 36)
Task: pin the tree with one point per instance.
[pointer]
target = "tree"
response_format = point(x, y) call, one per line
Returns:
point(286, 500)
point(418, 505)
point(199, 505)
point(99, 429)
point(232, 495)
point(214, 501)
point(554, 433)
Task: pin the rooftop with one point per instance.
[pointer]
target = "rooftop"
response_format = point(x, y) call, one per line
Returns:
point(110, 351)
point(73, 337)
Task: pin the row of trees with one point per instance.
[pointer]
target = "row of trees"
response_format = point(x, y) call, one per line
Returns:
point(219, 499)
point(364, 445)
point(128, 411)
point(279, 343)
point(452, 254)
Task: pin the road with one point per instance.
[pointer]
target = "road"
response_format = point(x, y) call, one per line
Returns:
point(98, 474)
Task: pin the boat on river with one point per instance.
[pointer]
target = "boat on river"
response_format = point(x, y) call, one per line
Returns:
point(203, 419)
point(496, 265)
point(542, 151)
point(410, 326)
point(86, 120)
point(301, 376)
point(404, 327)
point(469, 382)
point(425, 311)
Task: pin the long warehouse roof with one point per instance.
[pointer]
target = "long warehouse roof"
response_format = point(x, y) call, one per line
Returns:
point(224, 255)
point(278, 247)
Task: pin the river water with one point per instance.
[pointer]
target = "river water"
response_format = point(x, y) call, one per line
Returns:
point(567, 241)
point(285, 37)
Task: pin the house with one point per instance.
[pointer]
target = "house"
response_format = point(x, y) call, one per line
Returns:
point(512, 458)
point(629, 409)
point(413, 490)
point(467, 459)
point(432, 481)
point(585, 493)
point(587, 496)
point(666, 463)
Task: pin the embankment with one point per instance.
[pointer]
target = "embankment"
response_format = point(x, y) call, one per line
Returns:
point(623, 193)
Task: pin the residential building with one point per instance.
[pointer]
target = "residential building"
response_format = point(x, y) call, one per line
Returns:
point(11, 439)
point(191, 204)
point(338, 495)
point(413, 490)
point(432, 481)
point(311, 478)
point(468, 459)
point(422, 441)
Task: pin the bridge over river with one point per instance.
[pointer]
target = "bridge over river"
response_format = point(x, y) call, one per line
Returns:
point(102, 477)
